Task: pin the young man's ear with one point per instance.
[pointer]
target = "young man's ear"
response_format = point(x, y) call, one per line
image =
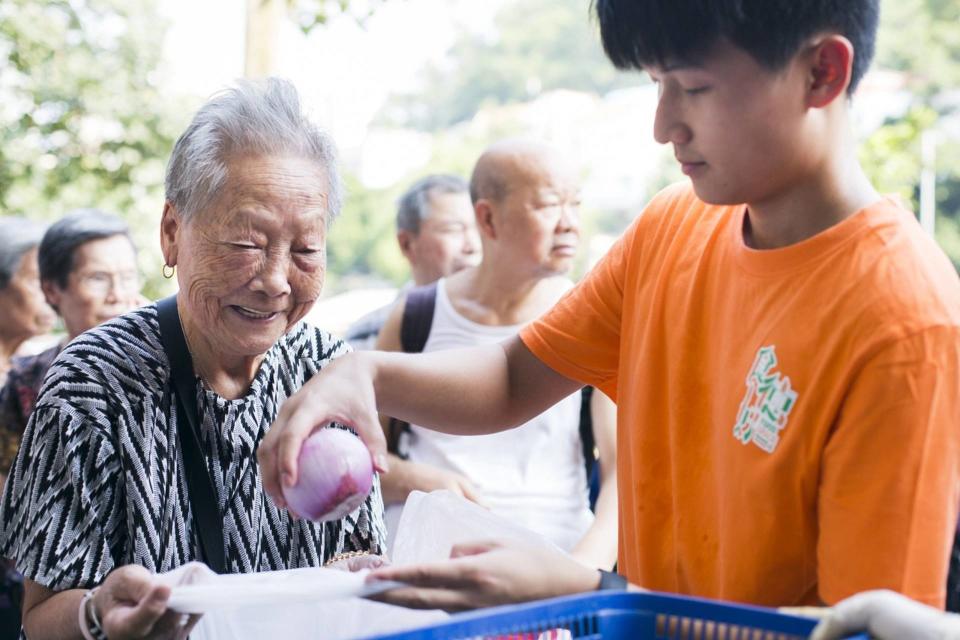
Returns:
point(831, 65)
point(483, 212)
point(169, 225)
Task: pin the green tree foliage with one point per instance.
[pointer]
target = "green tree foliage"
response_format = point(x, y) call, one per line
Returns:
point(362, 241)
point(539, 45)
point(311, 14)
point(82, 122)
point(891, 156)
point(921, 38)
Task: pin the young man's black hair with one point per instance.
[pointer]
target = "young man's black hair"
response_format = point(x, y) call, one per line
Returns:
point(638, 33)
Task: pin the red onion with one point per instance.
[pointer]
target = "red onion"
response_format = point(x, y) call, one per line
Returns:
point(334, 476)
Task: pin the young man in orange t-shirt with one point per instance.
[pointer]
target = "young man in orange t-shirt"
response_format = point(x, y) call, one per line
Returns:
point(782, 342)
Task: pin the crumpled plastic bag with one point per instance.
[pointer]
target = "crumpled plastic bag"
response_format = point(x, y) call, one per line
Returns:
point(324, 604)
point(206, 591)
point(296, 604)
point(324, 620)
point(433, 523)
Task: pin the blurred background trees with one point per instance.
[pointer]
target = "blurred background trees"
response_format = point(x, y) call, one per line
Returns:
point(82, 120)
point(85, 119)
point(921, 40)
point(538, 46)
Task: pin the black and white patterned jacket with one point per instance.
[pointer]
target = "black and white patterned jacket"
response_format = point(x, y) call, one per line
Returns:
point(98, 482)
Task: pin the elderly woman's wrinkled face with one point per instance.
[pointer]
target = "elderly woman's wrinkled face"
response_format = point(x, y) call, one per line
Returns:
point(23, 311)
point(252, 264)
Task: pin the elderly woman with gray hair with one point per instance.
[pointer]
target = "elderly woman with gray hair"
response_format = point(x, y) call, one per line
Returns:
point(140, 454)
point(23, 311)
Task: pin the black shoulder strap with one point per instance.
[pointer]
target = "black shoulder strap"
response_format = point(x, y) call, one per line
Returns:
point(203, 500)
point(418, 317)
point(414, 331)
point(587, 440)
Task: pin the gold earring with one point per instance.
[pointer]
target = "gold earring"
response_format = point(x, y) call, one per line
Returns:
point(165, 273)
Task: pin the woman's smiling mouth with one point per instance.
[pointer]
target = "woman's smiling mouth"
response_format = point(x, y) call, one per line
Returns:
point(253, 314)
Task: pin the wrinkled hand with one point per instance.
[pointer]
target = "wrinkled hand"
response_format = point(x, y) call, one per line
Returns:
point(359, 563)
point(887, 616)
point(427, 478)
point(132, 603)
point(342, 392)
point(485, 574)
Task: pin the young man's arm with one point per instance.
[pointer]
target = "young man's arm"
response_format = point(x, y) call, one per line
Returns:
point(479, 390)
point(598, 547)
point(405, 476)
point(461, 391)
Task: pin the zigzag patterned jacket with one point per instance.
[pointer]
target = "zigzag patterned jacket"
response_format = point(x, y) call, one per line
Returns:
point(98, 481)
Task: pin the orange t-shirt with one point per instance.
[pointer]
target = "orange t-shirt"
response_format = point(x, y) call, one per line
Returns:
point(789, 419)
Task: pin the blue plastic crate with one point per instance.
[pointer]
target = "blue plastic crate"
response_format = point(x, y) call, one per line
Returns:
point(615, 615)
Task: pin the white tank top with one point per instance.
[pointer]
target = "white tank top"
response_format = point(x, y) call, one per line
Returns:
point(532, 475)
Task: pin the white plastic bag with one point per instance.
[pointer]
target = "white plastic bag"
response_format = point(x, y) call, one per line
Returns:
point(296, 604)
point(213, 592)
point(324, 604)
point(432, 523)
point(325, 620)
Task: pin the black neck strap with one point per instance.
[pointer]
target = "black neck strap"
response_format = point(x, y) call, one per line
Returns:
point(203, 500)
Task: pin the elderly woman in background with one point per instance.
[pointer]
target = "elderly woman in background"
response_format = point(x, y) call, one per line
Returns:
point(88, 273)
point(23, 312)
point(23, 315)
point(103, 494)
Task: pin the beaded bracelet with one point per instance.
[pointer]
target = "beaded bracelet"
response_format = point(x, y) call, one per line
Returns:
point(89, 623)
point(347, 555)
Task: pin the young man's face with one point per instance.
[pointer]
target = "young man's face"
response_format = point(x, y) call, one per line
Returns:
point(736, 127)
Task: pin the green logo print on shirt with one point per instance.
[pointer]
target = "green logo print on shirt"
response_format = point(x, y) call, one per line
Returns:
point(767, 404)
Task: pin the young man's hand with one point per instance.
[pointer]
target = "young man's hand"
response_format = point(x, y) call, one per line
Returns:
point(342, 392)
point(485, 574)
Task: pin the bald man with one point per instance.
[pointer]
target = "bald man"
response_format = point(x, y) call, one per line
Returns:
point(525, 200)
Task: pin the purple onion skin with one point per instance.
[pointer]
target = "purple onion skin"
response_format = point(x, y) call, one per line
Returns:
point(334, 476)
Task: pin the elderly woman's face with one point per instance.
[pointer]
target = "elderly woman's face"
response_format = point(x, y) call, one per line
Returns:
point(103, 283)
point(23, 311)
point(252, 264)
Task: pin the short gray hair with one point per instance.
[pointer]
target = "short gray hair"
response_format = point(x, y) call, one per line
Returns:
point(68, 234)
point(261, 117)
point(17, 237)
point(413, 206)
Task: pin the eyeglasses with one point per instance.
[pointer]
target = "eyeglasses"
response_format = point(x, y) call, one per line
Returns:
point(102, 282)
